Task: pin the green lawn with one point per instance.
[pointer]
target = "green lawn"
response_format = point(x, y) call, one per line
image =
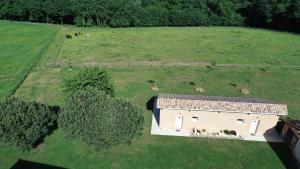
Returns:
point(225, 45)
point(131, 55)
point(20, 46)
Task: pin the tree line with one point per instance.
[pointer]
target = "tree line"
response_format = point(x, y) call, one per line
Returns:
point(274, 14)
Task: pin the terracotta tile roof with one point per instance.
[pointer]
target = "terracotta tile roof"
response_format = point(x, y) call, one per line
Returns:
point(222, 104)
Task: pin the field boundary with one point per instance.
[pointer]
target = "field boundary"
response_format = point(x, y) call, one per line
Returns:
point(57, 45)
point(30, 67)
point(165, 64)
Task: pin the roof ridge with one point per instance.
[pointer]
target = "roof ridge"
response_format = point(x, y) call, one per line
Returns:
point(222, 103)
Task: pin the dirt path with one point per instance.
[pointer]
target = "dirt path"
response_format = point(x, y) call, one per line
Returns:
point(166, 64)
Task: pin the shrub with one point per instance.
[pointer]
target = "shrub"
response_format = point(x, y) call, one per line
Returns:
point(232, 132)
point(79, 21)
point(226, 132)
point(213, 62)
point(24, 124)
point(100, 120)
point(192, 83)
point(89, 77)
point(151, 81)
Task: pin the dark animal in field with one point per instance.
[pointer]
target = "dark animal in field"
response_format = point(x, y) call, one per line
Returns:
point(76, 34)
point(68, 36)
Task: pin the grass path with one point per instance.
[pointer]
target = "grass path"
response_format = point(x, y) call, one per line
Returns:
point(28, 70)
point(164, 64)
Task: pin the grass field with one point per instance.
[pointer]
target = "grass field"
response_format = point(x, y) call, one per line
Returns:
point(173, 57)
point(228, 45)
point(20, 45)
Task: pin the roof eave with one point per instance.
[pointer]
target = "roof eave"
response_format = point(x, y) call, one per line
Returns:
point(279, 114)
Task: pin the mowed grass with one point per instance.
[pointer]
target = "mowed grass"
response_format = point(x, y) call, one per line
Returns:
point(223, 45)
point(173, 45)
point(149, 151)
point(20, 45)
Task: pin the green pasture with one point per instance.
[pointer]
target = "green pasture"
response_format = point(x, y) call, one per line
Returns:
point(223, 45)
point(173, 57)
point(21, 45)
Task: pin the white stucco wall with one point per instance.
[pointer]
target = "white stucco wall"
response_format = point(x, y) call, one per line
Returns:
point(215, 121)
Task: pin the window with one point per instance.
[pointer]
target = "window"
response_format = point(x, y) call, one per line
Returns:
point(240, 121)
point(194, 119)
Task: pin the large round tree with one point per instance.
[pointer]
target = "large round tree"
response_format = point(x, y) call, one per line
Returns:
point(100, 120)
point(24, 124)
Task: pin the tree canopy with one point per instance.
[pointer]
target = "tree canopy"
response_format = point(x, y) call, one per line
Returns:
point(24, 124)
point(100, 120)
point(277, 14)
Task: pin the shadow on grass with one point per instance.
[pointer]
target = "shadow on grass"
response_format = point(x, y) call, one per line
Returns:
point(284, 154)
point(23, 164)
point(282, 151)
point(52, 128)
point(151, 105)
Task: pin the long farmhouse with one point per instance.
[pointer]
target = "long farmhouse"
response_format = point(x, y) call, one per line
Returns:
point(213, 115)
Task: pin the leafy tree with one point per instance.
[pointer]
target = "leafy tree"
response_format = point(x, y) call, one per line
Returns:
point(99, 120)
point(261, 12)
point(79, 21)
point(89, 77)
point(58, 11)
point(24, 124)
point(276, 14)
point(188, 12)
point(223, 12)
point(293, 15)
point(153, 15)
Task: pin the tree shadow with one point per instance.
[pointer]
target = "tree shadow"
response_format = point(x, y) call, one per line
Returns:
point(51, 128)
point(23, 164)
point(56, 110)
point(151, 105)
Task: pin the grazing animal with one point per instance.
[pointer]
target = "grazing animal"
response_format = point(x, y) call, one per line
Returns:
point(68, 36)
point(76, 34)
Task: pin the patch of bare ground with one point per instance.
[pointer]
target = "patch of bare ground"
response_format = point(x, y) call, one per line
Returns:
point(200, 89)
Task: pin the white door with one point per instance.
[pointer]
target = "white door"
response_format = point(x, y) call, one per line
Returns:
point(178, 122)
point(253, 127)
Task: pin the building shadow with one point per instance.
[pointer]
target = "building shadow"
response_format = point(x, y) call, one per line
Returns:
point(151, 105)
point(283, 153)
point(24, 164)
